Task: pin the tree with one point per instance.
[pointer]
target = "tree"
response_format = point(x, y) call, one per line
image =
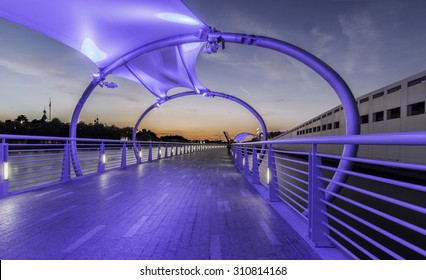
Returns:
point(22, 119)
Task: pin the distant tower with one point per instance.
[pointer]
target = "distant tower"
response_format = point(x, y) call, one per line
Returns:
point(50, 109)
point(44, 118)
point(97, 119)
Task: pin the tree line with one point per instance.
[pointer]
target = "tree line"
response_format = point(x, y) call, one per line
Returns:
point(42, 127)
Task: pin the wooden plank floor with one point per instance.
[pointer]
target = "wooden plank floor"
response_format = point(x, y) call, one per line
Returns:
point(194, 206)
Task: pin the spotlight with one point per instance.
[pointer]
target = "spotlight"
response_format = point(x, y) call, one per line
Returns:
point(108, 84)
point(214, 44)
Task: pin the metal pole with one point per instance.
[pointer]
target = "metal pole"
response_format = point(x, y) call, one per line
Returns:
point(316, 209)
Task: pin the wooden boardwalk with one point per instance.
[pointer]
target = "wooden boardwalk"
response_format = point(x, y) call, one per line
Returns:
point(195, 206)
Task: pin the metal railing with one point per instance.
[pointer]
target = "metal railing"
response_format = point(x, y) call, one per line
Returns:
point(31, 162)
point(379, 211)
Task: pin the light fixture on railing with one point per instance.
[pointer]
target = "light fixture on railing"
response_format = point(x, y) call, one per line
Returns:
point(103, 158)
point(268, 175)
point(5, 171)
point(140, 154)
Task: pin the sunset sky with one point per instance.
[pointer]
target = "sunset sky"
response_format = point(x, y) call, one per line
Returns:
point(369, 43)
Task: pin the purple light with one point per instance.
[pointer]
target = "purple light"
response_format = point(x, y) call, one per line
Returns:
point(91, 50)
point(178, 18)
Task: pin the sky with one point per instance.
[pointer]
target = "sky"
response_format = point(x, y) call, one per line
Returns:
point(369, 43)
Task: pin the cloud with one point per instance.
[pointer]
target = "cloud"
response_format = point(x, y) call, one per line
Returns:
point(322, 43)
point(364, 42)
point(245, 90)
point(22, 68)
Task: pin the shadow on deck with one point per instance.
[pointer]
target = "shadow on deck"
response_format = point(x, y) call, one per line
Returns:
point(196, 206)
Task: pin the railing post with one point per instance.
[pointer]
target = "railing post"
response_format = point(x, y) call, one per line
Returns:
point(102, 158)
point(167, 152)
point(150, 152)
point(66, 163)
point(316, 209)
point(159, 151)
point(240, 158)
point(139, 157)
point(246, 162)
point(255, 168)
point(171, 150)
point(123, 156)
point(4, 165)
point(272, 170)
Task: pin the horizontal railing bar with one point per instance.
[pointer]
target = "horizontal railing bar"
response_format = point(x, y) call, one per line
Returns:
point(394, 201)
point(350, 241)
point(292, 160)
point(377, 178)
point(286, 152)
point(341, 246)
point(376, 228)
point(294, 208)
point(292, 168)
point(45, 174)
point(401, 138)
point(401, 165)
point(292, 199)
point(52, 180)
point(293, 177)
point(293, 185)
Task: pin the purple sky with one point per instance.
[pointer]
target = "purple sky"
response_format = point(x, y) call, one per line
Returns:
point(369, 43)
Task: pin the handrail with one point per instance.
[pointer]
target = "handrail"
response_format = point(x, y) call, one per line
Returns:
point(47, 161)
point(401, 138)
point(378, 213)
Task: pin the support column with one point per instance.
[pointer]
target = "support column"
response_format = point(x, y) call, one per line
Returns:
point(66, 163)
point(5, 169)
point(316, 209)
point(159, 152)
point(255, 168)
point(246, 162)
point(150, 152)
point(123, 156)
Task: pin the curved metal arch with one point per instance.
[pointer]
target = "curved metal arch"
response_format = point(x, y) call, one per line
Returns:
point(326, 72)
point(242, 136)
point(206, 94)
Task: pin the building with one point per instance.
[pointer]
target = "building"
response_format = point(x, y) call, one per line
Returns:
point(398, 107)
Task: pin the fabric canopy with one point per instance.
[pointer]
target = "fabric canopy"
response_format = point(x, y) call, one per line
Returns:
point(106, 30)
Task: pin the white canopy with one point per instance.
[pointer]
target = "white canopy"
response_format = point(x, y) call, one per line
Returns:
point(106, 30)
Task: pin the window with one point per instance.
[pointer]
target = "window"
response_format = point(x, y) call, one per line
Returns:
point(319, 128)
point(337, 110)
point(377, 95)
point(394, 89)
point(324, 127)
point(336, 125)
point(416, 81)
point(363, 100)
point(329, 126)
point(310, 130)
point(323, 116)
point(315, 129)
point(393, 113)
point(329, 113)
point(416, 109)
point(378, 116)
point(364, 119)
